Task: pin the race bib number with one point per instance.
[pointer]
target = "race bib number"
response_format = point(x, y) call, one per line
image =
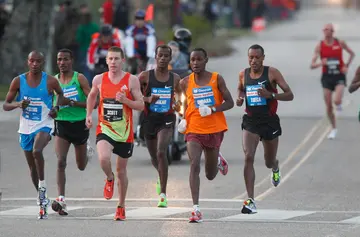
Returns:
point(113, 110)
point(70, 93)
point(162, 105)
point(203, 96)
point(252, 96)
point(33, 111)
point(333, 66)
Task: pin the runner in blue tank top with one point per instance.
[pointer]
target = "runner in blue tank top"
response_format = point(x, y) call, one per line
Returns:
point(34, 91)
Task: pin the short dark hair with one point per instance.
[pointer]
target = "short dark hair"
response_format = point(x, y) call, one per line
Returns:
point(163, 46)
point(67, 51)
point(200, 50)
point(117, 50)
point(257, 46)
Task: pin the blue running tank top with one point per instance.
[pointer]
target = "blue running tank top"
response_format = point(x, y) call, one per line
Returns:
point(35, 116)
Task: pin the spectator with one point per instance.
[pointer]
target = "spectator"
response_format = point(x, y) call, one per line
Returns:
point(107, 12)
point(211, 12)
point(4, 18)
point(121, 15)
point(83, 37)
point(179, 60)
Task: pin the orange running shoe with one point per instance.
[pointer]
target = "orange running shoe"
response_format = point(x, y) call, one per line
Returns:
point(120, 214)
point(109, 188)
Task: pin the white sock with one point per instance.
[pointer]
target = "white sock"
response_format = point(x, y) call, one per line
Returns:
point(62, 198)
point(219, 161)
point(42, 184)
point(196, 208)
point(162, 195)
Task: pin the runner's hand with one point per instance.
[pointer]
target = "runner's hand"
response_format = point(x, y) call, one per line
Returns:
point(121, 97)
point(204, 110)
point(240, 101)
point(153, 98)
point(89, 122)
point(344, 69)
point(324, 61)
point(24, 104)
point(262, 92)
point(53, 112)
point(182, 126)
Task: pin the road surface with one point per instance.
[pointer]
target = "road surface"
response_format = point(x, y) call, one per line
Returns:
point(318, 196)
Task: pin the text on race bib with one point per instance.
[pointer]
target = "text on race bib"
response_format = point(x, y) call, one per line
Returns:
point(333, 66)
point(112, 110)
point(34, 110)
point(252, 96)
point(162, 105)
point(70, 93)
point(203, 96)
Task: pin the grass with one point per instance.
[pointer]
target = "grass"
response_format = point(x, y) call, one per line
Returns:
point(3, 91)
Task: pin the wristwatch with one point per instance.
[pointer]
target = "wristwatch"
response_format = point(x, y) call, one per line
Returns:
point(273, 95)
point(72, 103)
point(213, 109)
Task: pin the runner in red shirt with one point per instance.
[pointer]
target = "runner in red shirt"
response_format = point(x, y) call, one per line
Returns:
point(334, 69)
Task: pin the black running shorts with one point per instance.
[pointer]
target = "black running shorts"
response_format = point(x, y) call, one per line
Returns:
point(74, 132)
point(268, 128)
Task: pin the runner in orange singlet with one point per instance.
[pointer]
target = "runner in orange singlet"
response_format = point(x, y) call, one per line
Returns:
point(119, 94)
point(204, 124)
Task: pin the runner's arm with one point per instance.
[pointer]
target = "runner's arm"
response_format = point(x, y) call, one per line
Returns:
point(143, 80)
point(138, 102)
point(241, 89)
point(84, 84)
point(55, 86)
point(177, 92)
point(183, 85)
point(11, 95)
point(228, 100)
point(347, 49)
point(355, 84)
point(287, 94)
point(315, 57)
point(92, 96)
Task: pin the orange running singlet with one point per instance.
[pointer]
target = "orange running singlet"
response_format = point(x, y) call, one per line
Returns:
point(115, 119)
point(210, 96)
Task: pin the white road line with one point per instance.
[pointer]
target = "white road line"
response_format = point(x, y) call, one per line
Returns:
point(151, 212)
point(127, 200)
point(297, 166)
point(30, 211)
point(270, 215)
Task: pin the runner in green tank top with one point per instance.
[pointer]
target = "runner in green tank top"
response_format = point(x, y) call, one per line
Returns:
point(70, 125)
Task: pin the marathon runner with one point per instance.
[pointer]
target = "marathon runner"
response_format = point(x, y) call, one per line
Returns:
point(355, 84)
point(159, 86)
point(35, 91)
point(204, 124)
point(333, 79)
point(119, 94)
point(258, 86)
point(70, 125)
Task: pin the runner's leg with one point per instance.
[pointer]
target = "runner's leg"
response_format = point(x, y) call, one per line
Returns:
point(121, 164)
point(194, 150)
point(250, 143)
point(163, 139)
point(211, 162)
point(104, 149)
point(270, 152)
point(61, 148)
point(81, 156)
point(33, 172)
point(329, 107)
point(339, 93)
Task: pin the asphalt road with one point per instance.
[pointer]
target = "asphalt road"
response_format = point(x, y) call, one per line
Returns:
point(318, 196)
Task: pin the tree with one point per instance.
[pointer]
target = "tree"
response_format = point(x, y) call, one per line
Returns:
point(27, 30)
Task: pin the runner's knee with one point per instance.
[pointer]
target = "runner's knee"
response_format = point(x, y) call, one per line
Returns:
point(195, 168)
point(61, 163)
point(37, 153)
point(161, 154)
point(121, 172)
point(249, 158)
point(210, 175)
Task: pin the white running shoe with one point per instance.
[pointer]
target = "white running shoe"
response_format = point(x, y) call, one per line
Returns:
point(332, 134)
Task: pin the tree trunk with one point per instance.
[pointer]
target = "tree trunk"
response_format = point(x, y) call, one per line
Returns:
point(27, 30)
point(162, 13)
